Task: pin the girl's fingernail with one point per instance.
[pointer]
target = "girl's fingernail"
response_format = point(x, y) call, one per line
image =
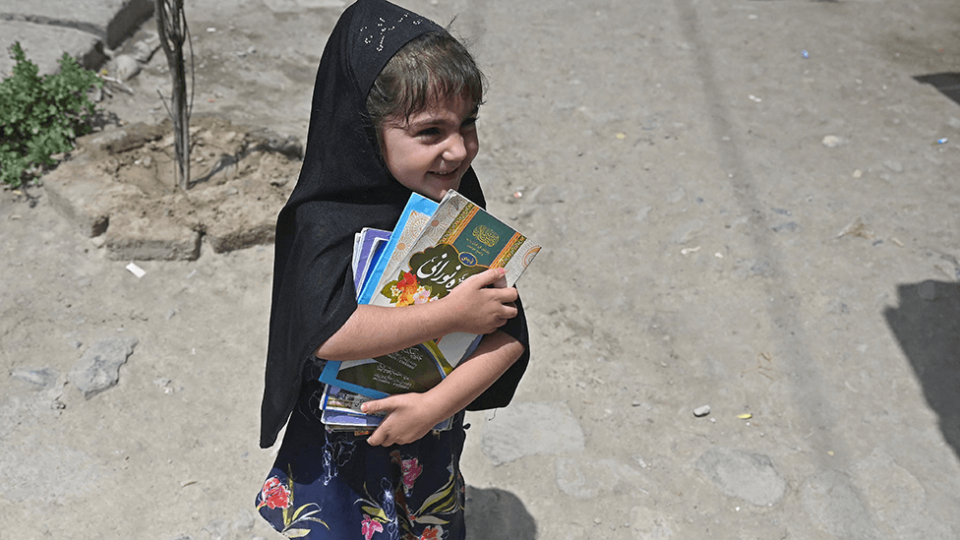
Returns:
point(363, 408)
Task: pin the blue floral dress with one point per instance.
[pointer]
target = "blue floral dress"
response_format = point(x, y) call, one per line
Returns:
point(327, 485)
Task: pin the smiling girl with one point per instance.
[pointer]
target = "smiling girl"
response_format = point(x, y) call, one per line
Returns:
point(394, 111)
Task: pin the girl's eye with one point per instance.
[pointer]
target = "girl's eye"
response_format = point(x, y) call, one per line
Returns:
point(429, 132)
point(470, 122)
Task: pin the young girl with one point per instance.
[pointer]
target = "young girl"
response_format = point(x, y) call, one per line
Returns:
point(394, 112)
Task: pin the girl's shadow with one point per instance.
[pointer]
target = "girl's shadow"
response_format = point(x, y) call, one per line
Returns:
point(494, 514)
point(927, 324)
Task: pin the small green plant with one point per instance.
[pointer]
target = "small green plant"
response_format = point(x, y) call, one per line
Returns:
point(41, 116)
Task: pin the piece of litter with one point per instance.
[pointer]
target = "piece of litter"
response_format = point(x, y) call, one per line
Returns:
point(805, 54)
point(186, 483)
point(621, 136)
point(136, 270)
point(701, 411)
point(687, 251)
point(718, 255)
point(211, 29)
point(942, 141)
point(517, 194)
point(745, 416)
point(755, 98)
point(857, 173)
point(15, 217)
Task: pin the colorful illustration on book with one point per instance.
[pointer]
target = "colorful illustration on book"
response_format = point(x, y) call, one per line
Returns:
point(473, 243)
point(407, 291)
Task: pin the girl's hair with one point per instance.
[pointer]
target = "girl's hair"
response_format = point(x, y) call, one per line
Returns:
point(430, 68)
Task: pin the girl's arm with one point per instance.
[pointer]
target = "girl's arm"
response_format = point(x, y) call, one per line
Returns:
point(411, 416)
point(472, 306)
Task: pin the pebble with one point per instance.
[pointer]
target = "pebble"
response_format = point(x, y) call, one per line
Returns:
point(701, 411)
point(832, 141)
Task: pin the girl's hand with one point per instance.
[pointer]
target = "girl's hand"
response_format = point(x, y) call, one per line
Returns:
point(483, 302)
point(409, 418)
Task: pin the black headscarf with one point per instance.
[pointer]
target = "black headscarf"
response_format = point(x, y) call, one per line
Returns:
point(343, 187)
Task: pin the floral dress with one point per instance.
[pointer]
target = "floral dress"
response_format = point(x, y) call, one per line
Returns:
point(335, 485)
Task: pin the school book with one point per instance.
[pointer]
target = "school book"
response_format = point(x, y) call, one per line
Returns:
point(458, 240)
point(341, 412)
point(367, 248)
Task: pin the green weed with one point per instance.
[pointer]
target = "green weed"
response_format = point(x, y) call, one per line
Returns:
point(41, 116)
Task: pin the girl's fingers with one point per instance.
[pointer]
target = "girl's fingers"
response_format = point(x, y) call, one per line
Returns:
point(487, 277)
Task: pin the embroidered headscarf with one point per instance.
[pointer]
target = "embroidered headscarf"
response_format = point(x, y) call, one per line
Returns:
point(343, 187)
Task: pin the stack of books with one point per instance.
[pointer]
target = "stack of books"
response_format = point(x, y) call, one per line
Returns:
point(433, 248)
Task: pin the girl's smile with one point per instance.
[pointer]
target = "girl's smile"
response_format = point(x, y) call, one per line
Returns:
point(430, 152)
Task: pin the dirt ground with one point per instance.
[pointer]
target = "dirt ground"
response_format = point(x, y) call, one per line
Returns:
point(748, 205)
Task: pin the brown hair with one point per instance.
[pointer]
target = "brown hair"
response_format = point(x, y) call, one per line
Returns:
point(430, 68)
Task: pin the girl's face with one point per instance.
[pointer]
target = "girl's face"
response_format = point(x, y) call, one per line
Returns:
point(430, 153)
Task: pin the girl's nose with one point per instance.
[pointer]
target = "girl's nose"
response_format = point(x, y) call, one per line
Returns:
point(455, 150)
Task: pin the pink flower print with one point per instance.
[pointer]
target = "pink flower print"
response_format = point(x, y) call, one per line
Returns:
point(422, 296)
point(410, 469)
point(370, 526)
point(274, 494)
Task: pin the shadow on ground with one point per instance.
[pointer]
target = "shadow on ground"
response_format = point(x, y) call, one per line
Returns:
point(927, 324)
point(495, 514)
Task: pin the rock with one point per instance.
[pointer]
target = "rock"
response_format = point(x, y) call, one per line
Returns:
point(126, 67)
point(143, 50)
point(526, 429)
point(266, 140)
point(750, 477)
point(701, 411)
point(99, 367)
point(133, 237)
point(43, 378)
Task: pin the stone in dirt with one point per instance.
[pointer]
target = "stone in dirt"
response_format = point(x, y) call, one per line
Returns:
point(99, 367)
